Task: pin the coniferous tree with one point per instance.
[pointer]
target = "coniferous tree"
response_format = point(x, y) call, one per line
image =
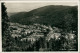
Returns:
point(6, 38)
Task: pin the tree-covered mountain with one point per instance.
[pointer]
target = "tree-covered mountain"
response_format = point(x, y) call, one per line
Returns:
point(65, 17)
point(11, 13)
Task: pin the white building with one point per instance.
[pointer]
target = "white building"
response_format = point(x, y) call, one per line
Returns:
point(71, 36)
point(15, 35)
point(31, 39)
point(53, 36)
point(37, 34)
point(27, 31)
point(23, 39)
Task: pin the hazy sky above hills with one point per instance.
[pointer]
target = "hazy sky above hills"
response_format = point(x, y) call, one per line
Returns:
point(20, 7)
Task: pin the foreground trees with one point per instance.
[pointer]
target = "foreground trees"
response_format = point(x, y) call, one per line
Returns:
point(6, 35)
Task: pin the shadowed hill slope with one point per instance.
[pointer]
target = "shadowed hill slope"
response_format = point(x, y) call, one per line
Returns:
point(59, 16)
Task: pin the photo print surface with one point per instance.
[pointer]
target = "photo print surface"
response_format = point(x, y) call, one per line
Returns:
point(39, 26)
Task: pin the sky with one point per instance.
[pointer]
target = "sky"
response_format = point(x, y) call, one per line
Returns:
point(28, 6)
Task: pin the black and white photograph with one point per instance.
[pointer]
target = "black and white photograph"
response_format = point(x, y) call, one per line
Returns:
point(39, 26)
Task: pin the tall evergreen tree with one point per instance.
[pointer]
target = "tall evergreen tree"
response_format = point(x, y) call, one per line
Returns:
point(6, 38)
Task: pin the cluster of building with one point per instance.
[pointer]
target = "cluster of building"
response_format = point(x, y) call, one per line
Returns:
point(35, 31)
point(26, 32)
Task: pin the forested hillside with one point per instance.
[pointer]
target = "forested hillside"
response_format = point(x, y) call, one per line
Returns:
point(59, 16)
